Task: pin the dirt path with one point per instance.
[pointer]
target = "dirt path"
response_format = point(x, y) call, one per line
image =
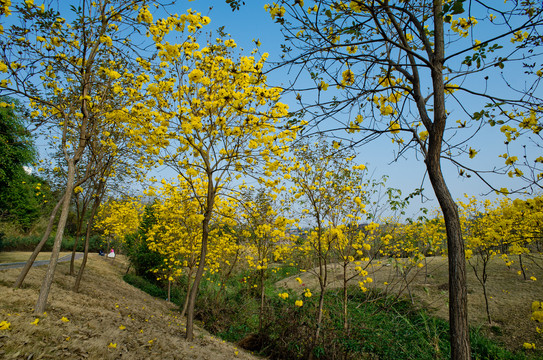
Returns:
point(38, 262)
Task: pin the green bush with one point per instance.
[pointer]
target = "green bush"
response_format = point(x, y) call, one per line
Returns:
point(146, 285)
point(29, 243)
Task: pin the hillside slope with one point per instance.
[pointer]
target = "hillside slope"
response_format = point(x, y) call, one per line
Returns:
point(107, 319)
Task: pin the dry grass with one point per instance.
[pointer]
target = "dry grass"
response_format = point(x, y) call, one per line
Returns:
point(20, 256)
point(510, 296)
point(106, 310)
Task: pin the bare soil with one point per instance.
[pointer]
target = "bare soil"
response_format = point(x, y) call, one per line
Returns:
point(107, 319)
point(510, 296)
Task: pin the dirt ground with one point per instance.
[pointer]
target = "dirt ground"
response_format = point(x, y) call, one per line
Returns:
point(510, 296)
point(107, 319)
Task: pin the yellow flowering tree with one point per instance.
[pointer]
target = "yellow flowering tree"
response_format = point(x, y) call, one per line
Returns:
point(58, 58)
point(118, 218)
point(399, 68)
point(208, 115)
point(328, 188)
point(177, 232)
point(263, 231)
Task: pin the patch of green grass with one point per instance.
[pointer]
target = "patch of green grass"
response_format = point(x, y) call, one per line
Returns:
point(145, 285)
point(379, 327)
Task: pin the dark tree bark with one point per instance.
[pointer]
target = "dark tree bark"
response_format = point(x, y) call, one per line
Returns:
point(458, 296)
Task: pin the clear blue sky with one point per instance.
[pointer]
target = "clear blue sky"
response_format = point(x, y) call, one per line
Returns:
point(251, 22)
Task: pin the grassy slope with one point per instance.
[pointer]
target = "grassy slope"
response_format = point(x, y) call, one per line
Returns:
point(105, 304)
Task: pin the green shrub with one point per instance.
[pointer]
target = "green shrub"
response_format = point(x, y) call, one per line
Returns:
point(145, 285)
point(29, 243)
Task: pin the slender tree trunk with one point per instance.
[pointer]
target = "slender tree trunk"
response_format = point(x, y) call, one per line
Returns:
point(48, 279)
point(323, 275)
point(316, 336)
point(345, 310)
point(90, 223)
point(72, 259)
point(38, 248)
point(203, 252)
point(77, 235)
point(521, 266)
point(458, 299)
point(194, 290)
point(261, 316)
point(484, 276)
point(85, 257)
point(458, 295)
point(185, 305)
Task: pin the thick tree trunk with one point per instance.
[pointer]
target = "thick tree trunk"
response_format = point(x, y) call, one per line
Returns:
point(38, 248)
point(48, 279)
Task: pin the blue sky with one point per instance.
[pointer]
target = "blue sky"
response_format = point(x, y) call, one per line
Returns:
point(407, 173)
point(252, 22)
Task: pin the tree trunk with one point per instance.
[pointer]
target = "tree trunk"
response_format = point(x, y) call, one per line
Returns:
point(521, 266)
point(48, 279)
point(90, 223)
point(186, 303)
point(196, 283)
point(77, 235)
point(345, 299)
point(458, 296)
point(316, 336)
point(458, 299)
point(85, 257)
point(38, 248)
point(209, 204)
point(323, 277)
point(262, 293)
point(72, 259)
